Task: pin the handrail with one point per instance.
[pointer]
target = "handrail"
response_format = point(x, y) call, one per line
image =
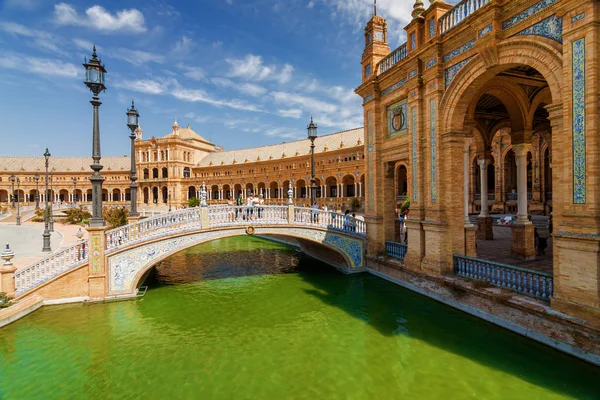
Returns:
point(330, 220)
point(396, 250)
point(392, 59)
point(459, 13)
point(51, 266)
point(226, 215)
point(522, 280)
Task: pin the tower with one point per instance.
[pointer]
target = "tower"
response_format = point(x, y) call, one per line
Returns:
point(376, 46)
point(175, 128)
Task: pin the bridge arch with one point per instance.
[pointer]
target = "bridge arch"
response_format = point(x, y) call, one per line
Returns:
point(543, 54)
point(127, 266)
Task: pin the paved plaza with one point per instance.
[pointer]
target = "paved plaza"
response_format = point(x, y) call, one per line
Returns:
point(499, 250)
point(26, 240)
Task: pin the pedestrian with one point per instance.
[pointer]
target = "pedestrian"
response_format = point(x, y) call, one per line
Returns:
point(230, 212)
point(353, 222)
point(261, 204)
point(347, 220)
point(239, 202)
point(315, 213)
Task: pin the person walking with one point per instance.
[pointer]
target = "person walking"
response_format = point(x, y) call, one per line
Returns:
point(347, 220)
point(230, 212)
point(239, 202)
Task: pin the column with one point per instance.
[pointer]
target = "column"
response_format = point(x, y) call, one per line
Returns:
point(359, 189)
point(523, 243)
point(485, 229)
point(470, 229)
point(355, 190)
point(341, 190)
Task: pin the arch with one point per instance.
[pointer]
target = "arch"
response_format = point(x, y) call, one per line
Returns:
point(214, 192)
point(187, 173)
point(249, 188)
point(191, 192)
point(331, 188)
point(401, 182)
point(542, 54)
point(104, 194)
point(116, 195)
point(274, 190)
point(127, 194)
point(3, 196)
point(128, 266)
point(154, 173)
point(237, 189)
point(155, 195)
point(31, 196)
point(262, 189)
point(165, 194)
point(63, 195)
point(227, 192)
point(146, 194)
point(349, 186)
point(146, 173)
point(165, 172)
point(301, 191)
point(88, 196)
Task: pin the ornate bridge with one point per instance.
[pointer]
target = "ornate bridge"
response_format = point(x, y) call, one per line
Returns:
point(110, 264)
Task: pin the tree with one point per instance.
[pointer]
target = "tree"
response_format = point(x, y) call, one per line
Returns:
point(406, 205)
point(355, 204)
point(194, 202)
point(77, 215)
point(115, 217)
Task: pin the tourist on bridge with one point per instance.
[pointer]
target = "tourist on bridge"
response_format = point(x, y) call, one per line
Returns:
point(315, 213)
point(230, 212)
point(239, 202)
point(347, 220)
point(261, 203)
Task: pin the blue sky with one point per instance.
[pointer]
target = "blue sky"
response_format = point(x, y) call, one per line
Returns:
point(242, 73)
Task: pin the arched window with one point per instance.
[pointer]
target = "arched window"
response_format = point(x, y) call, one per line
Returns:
point(155, 173)
point(187, 173)
point(165, 172)
point(146, 174)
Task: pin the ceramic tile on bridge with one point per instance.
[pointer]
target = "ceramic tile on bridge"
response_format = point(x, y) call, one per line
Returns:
point(499, 250)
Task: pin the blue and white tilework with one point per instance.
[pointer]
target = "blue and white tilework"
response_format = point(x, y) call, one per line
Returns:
point(397, 118)
point(431, 63)
point(485, 30)
point(579, 153)
point(453, 70)
point(413, 123)
point(368, 98)
point(127, 267)
point(413, 41)
point(433, 143)
point(412, 74)
point(431, 28)
point(371, 161)
point(578, 17)
point(367, 71)
point(459, 50)
point(393, 87)
point(534, 9)
point(550, 27)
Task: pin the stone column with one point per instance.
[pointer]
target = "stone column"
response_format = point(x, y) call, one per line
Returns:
point(359, 189)
point(484, 220)
point(523, 245)
point(355, 190)
point(97, 269)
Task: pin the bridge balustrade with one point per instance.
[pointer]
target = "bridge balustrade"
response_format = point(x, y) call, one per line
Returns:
point(329, 220)
point(51, 266)
point(396, 250)
point(393, 58)
point(525, 281)
point(161, 225)
point(459, 13)
point(224, 215)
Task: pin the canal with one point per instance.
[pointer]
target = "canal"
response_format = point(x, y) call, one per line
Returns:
point(249, 318)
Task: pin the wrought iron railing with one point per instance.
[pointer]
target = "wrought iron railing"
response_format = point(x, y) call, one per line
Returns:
point(392, 59)
point(161, 225)
point(329, 220)
point(51, 266)
point(459, 13)
point(224, 215)
point(396, 250)
point(521, 280)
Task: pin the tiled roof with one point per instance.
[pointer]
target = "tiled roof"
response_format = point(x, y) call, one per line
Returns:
point(62, 164)
point(187, 133)
point(351, 138)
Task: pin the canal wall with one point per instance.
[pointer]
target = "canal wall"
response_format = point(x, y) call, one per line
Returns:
point(524, 315)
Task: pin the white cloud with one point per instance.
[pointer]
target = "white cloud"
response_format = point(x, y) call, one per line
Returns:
point(195, 73)
point(40, 66)
point(144, 86)
point(310, 4)
point(25, 4)
point(137, 57)
point(251, 68)
point(84, 44)
point(308, 103)
point(183, 46)
point(290, 113)
point(197, 118)
point(250, 89)
point(39, 39)
point(97, 17)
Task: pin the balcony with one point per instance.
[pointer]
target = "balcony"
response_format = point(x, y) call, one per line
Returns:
point(459, 13)
point(392, 59)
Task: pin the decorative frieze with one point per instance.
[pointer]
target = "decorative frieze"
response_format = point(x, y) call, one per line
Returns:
point(579, 140)
point(550, 27)
point(453, 70)
point(393, 87)
point(459, 50)
point(433, 140)
point(368, 98)
point(578, 17)
point(397, 118)
point(412, 74)
point(534, 9)
point(431, 63)
point(485, 30)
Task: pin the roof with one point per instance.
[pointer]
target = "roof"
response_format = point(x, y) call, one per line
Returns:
point(62, 164)
point(334, 141)
point(186, 133)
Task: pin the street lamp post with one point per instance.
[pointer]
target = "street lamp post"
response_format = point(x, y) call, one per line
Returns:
point(12, 180)
point(50, 218)
point(18, 202)
point(132, 123)
point(37, 190)
point(46, 235)
point(74, 191)
point(94, 80)
point(312, 135)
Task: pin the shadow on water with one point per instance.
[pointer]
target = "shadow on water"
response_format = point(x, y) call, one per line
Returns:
point(389, 309)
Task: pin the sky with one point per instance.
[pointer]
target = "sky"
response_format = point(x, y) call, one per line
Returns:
point(241, 73)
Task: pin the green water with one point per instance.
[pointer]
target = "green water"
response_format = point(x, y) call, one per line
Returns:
point(284, 327)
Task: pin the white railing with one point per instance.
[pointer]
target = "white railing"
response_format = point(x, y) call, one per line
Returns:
point(161, 225)
point(225, 215)
point(459, 13)
point(51, 266)
point(329, 220)
point(392, 59)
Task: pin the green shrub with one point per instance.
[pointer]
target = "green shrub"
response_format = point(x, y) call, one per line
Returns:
point(77, 215)
point(115, 217)
point(194, 202)
point(355, 204)
point(406, 205)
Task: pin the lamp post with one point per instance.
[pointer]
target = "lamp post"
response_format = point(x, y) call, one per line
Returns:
point(94, 80)
point(37, 190)
point(46, 235)
point(18, 202)
point(132, 123)
point(12, 180)
point(50, 219)
point(74, 191)
point(312, 135)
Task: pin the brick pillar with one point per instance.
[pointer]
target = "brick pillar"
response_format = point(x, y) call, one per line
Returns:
point(204, 217)
point(98, 268)
point(7, 279)
point(290, 214)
